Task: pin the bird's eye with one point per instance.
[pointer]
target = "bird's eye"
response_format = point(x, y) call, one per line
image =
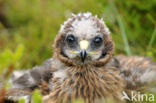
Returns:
point(70, 39)
point(97, 41)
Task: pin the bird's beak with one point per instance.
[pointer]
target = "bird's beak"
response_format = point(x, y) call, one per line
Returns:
point(83, 47)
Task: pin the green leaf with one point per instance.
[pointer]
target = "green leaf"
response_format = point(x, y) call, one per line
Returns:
point(37, 97)
point(21, 101)
point(19, 52)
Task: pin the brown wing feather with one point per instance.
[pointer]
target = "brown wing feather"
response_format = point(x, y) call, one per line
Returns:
point(25, 84)
point(137, 71)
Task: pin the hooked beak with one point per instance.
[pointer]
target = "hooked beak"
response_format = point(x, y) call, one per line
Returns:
point(83, 55)
point(83, 47)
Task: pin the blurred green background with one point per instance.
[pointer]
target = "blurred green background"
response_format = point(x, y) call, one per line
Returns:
point(28, 27)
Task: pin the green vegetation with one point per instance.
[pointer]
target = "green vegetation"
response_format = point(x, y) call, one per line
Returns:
point(28, 27)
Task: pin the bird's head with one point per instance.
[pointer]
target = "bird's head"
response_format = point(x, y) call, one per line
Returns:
point(84, 39)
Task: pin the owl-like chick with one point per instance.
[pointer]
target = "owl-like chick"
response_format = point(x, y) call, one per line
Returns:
point(84, 67)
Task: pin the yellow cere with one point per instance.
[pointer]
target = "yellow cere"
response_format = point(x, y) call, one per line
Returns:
point(74, 52)
point(93, 53)
point(84, 44)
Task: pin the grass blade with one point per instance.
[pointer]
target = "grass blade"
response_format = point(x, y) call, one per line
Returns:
point(122, 29)
point(152, 39)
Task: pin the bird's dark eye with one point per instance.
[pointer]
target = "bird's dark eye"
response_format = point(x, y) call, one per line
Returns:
point(97, 41)
point(70, 39)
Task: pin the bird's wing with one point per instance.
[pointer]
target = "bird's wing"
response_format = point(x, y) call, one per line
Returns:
point(113, 63)
point(25, 82)
point(137, 71)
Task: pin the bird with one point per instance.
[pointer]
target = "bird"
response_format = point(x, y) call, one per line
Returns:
point(84, 67)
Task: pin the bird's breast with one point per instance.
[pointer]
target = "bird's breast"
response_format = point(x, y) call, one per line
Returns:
point(90, 86)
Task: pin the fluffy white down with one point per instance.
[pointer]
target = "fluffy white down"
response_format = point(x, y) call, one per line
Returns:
point(61, 74)
point(148, 76)
point(85, 26)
